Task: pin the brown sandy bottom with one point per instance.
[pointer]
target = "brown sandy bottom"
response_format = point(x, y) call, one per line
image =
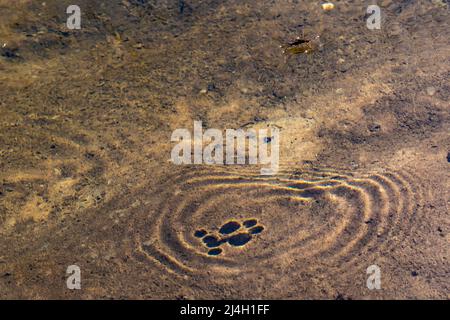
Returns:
point(86, 118)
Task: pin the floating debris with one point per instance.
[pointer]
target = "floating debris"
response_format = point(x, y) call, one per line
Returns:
point(328, 6)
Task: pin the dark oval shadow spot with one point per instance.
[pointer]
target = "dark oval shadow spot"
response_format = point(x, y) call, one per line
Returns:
point(200, 233)
point(250, 223)
point(229, 227)
point(256, 230)
point(215, 252)
point(212, 241)
point(239, 239)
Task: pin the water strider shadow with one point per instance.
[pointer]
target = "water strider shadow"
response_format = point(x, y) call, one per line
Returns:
point(232, 232)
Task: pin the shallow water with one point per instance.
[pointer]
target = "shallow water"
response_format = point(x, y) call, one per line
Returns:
point(87, 115)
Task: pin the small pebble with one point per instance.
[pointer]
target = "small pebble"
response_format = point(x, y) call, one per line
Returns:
point(374, 127)
point(431, 91)
point(395, 30)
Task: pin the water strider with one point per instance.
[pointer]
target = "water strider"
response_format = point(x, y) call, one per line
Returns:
point(301, 45)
